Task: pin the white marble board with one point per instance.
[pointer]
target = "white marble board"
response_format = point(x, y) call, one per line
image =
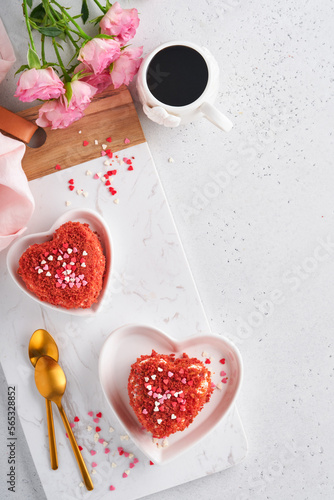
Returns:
point(151, 284)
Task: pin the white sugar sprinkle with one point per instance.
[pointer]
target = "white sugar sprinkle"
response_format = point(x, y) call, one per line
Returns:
point(160, 369)
point(68, 203)
point(159, 421)
point(105, 444)
point(93, 471)
point(85, 194)
point(170, 160)
point(40, 271)
point(96, 437)
point(89, 428)
point(79, 131)
point(104, 146)
point(219, 386)
point(113, 464)
point(165, 443)
point(124, 437)
point(50, 257)
point(81, 484)
point(116, 201)
point(131, 455)
point(84, 253)
point(43, 262)
point(48, 273)
point(106, 163)
point(96, 142)
point(153, 377)
point(88, 172)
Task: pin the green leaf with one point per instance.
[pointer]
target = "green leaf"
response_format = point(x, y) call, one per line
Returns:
point(33, 59)
point(38, 13)
point(96, 20)
point(29, 3)
point(84, 11)
point(69, 92)
point(24, 66)
point(101, 35)
point(51, 31)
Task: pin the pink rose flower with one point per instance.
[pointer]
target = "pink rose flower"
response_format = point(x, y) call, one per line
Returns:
point(99, 53)
point(120, 23)
point(82, 94)
point(100, 81)
point(41, 84)
point(56, 114)
point(126, 66)
point(59, 114)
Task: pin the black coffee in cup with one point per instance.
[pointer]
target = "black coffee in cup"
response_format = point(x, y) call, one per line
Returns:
point(177, 75)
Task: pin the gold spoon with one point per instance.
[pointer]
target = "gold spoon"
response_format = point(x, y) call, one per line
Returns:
point(41, 344)
point(51, 383)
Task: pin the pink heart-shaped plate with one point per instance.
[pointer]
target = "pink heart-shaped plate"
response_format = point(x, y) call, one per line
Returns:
point(96, 223)
point(127, 343)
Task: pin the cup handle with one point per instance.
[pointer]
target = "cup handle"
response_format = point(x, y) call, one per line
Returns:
point(216, 117)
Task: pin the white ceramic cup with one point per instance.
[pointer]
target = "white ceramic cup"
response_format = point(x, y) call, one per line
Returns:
point(171, 115)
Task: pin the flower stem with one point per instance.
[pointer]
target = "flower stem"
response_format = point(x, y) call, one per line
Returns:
point(26, 16)
point(100, 6)
point(43, 49)
point(81, 31)
point(61, 64)
point(68, 34)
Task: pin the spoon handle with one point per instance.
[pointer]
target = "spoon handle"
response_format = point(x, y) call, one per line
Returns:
point(77, 453)
point(52, 437)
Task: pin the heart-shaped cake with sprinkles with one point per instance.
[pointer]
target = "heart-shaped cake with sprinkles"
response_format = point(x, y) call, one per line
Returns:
point(166, 393)
point(68, 270)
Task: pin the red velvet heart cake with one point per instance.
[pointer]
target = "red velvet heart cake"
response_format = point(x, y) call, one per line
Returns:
point(166, 393)
point(66, 271)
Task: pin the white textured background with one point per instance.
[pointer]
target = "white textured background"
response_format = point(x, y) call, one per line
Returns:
point(258, 246)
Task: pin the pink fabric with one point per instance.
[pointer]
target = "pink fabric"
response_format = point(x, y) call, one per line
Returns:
point(16, 201)
point(7, 56)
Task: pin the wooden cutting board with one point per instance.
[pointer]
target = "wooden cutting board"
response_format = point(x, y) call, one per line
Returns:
point(111, 114)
